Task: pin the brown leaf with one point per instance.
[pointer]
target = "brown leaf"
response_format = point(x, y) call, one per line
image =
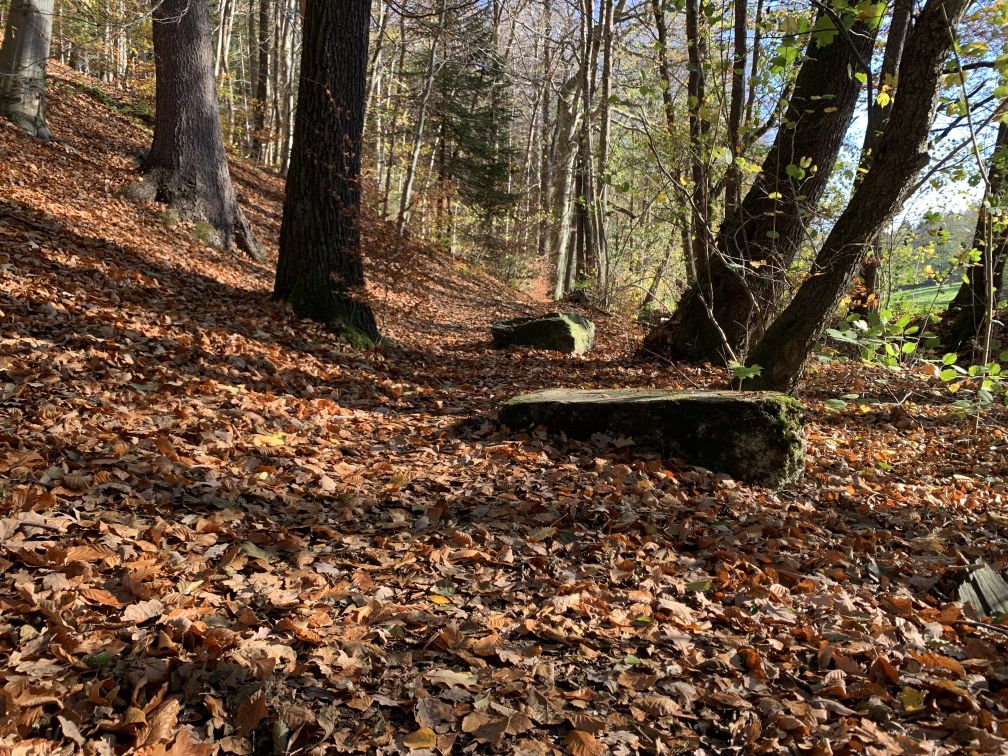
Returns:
point(587, 723)
point(936, 662)
point(424, 738)
point(660, 706)
point(251, 712)
point(581, 743)
point(163, 722)
point(100, 596)
point(184, 745)
point(143, 611)
point(430, 712)
point(486, 645)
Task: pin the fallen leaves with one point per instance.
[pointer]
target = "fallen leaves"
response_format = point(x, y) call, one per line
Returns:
point(220, 529)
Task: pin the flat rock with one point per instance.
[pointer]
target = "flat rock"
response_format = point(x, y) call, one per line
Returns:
point(559, 331)
point(755, 437)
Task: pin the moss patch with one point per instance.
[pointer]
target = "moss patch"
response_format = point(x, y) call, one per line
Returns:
point(351, 334)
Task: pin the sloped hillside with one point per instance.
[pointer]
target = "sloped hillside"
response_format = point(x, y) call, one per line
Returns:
point(223, 531)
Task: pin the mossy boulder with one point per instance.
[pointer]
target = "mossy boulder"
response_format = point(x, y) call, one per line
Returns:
point(755, 437)
point(559, 331)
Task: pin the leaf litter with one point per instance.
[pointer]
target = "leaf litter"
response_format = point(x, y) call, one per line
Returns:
point(221, 531)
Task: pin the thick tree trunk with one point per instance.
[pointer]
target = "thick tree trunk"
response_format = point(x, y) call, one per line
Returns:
point(728, 305)
point(968, 311)
point(187, 165)
point(23, 57)
point(901, 154)
point(320, 270)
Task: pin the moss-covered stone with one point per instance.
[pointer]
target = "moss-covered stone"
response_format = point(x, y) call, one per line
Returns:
point(756, 437)
point(558, 331)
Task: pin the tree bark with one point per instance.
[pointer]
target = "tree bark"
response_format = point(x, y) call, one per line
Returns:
point(567, 125)
point(418, 132)
point(968, 311)
point(901, 154)
point(727, 307)
point(867, 299)
point(260, 143)
point(733, 178)
point(699, 129)
point(186, 167)
point(320, 269)
point(224, 38)
point(23, 58)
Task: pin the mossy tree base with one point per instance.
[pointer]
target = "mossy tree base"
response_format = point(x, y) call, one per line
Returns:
point(755, 437)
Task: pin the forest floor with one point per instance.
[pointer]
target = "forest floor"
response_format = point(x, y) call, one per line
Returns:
point(220, 526)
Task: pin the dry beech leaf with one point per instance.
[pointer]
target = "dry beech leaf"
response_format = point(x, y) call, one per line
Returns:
point(660, 706)
point(487, 645)
point(424, 738)
point(100, 596)
point(251, 712)
point(587, 723)
point(163, 723)
point(184, 745)
point(143, 611)
point(581, 743)
point(432, 712)
point(935, 662)
point(448, 678)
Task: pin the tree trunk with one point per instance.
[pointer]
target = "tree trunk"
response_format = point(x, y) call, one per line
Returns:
point(867, 299)
point(187, 164)
point(699, 128)
point(260, 143)
point(418, 131)
point(968, 311)
point(546, 142)
point(733, 178)
point(374, 67)
point(661, 28)
point(224, 38)
point(901, 154)
point(727, 307)
point(567, 124)
point(320, 269)
point(23, 57)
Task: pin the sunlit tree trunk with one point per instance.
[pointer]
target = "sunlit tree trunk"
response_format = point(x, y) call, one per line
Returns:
point(902, 153)
point(699, 128)
point(734, 297)
point(186, 167)
point(23, 58)
point(567, 125)
point(224, 38)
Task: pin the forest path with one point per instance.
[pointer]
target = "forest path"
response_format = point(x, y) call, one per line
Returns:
point(217, 522)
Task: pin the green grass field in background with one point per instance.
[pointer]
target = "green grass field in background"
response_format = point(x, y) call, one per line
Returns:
point(934, 298)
